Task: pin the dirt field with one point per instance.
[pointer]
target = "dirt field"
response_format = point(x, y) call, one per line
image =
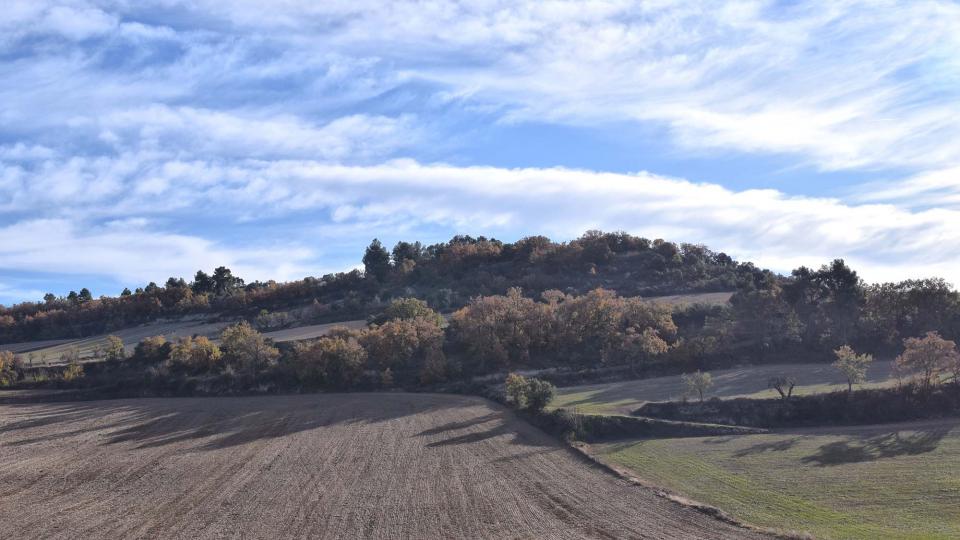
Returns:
point(319, 466)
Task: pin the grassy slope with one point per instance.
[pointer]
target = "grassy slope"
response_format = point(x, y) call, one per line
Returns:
point(751, 381)
point(886, 481)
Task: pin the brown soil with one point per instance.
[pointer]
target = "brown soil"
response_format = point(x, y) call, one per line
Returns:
point(318, 466)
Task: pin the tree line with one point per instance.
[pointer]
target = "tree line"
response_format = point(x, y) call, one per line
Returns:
point(446, 274)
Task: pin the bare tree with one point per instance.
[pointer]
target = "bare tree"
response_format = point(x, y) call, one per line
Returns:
point(783, 384)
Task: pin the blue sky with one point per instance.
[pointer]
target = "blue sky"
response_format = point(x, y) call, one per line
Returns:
point(141, 140)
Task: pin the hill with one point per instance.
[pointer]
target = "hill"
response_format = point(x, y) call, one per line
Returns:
point(447, 275)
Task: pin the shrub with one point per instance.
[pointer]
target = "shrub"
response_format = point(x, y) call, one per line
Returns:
point(73, 371)
point(539, 394)
point(528, 393)
point(195, 354)
point(246, 348)
point(334, 362)
point(8, 368)
point(407, 309)
point(114, 351)
point(152, 349)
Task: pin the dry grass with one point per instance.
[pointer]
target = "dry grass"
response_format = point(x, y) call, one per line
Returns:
point(883, 481)
point(748, 381)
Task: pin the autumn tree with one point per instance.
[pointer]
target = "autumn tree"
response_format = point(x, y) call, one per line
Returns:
point(152, 349)
point(927, 358)
point(408, 309)
point(114, 350)
point(515, 387)
point(334, 362)
point(246, 348)
point(697, 382)
point(853, 366)
point(8, 364)
point(407, 346)
point(196, 355)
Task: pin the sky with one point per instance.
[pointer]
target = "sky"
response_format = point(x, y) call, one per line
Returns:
point(146, 139)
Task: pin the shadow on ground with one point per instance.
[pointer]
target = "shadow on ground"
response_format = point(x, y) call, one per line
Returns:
point(887, 445)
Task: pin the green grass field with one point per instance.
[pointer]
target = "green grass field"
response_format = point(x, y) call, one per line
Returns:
point(884, 481)
point(748, 381)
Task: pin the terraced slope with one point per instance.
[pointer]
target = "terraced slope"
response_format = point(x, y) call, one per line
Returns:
point(318, 466)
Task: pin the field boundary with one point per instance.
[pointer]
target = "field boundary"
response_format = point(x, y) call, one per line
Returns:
point(584, 450)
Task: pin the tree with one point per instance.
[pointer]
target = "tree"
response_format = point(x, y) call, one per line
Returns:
point(152, 349)
point(927, 357)
point(125, 292)
point(8, 368)
point(332, 361)
point(539, 394)
point(697, 382)
point(195, 354)
point(114, 351)
point(644, 346)
point(515, 387)
point(74, 369)
point(85, 295)
point(376, 261)
point(528, 393)
point(783, 384)
point(853, 366)
point(246, 348)
point(175, 283)
point(202, 283)
point(406, 251)
point(224, 281)
point(408, 309)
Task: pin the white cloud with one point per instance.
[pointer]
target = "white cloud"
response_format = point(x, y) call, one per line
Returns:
point(407, 198)
point(129, 253)
point(286, 115)
point(841, 84)
point(204, 132)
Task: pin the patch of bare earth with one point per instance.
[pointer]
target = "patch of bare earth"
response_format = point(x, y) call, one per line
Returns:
point(317, 466)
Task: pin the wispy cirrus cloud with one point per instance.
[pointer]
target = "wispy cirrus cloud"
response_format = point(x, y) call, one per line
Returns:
point(200, 133)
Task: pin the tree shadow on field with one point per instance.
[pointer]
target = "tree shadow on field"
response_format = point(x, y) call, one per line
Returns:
point(887, 445)
point(452, 426)
point(212, 423)
point(775, 446)
point(503, 423)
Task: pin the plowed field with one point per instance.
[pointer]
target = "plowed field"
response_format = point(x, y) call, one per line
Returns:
point(317, 466)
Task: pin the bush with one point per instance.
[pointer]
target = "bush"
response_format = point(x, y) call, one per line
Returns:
point(152, 350)
point(8, 368)
point(528, 393)
point(195, 355)
point(246, 348)
point(73, 371)
point(334, 362)
point(871, 406)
